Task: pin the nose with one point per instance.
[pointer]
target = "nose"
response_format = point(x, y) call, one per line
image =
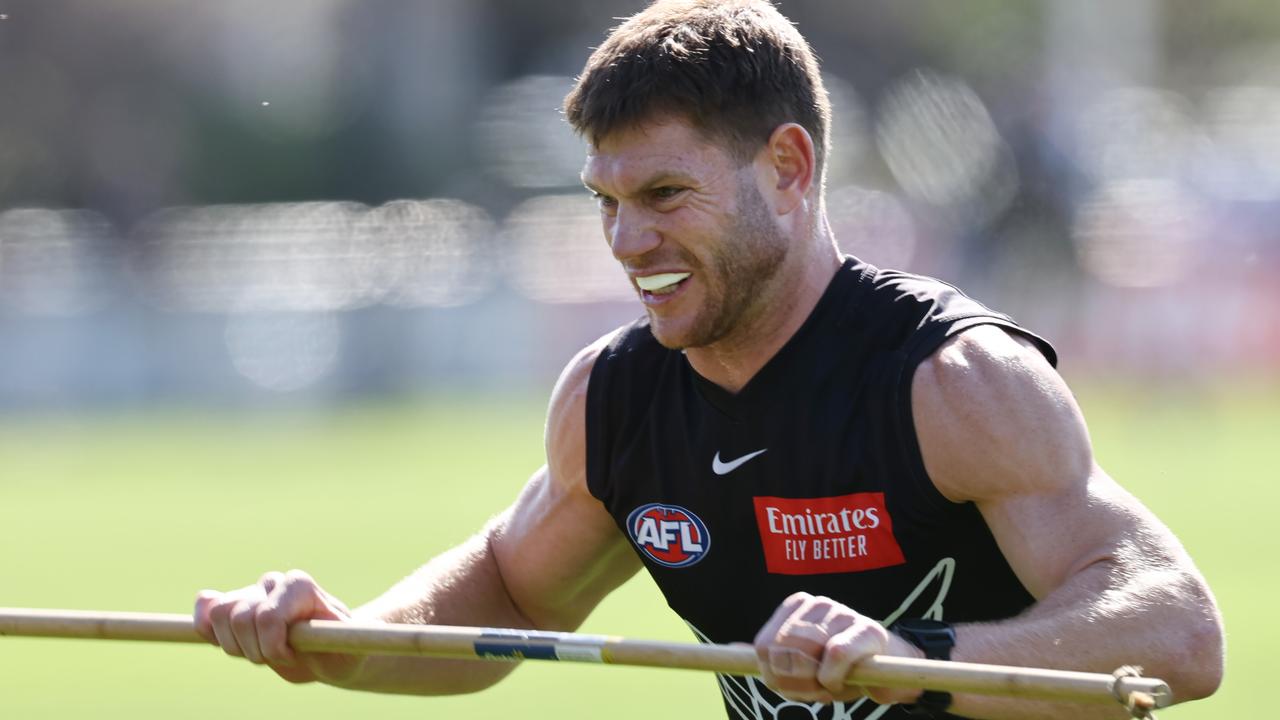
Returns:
point(631, 233)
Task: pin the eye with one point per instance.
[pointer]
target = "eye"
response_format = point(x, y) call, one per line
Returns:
point(605, 202)
point(666, 192)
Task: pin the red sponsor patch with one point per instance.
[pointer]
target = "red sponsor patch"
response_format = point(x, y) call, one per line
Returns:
point(811, 536)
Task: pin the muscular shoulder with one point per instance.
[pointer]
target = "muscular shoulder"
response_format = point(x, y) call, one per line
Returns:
point(994, 418)
point(565, 435)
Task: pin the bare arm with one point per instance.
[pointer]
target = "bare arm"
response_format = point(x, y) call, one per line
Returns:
point(998, 427)
point(544, 563)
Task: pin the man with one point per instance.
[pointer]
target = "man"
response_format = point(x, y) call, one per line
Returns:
point(801, 448)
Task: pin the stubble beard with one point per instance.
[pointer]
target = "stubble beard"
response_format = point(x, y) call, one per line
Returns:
point(743, 263)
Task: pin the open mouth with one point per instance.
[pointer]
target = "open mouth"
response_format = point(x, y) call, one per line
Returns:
point(662, 283)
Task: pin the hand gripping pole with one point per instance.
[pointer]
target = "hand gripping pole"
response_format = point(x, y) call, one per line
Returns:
point(444, 641)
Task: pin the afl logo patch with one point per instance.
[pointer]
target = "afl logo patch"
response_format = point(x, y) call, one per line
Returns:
point(669, 534)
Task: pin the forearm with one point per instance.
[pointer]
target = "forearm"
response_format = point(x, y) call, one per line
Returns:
point(460, 587)
point(1162, 619)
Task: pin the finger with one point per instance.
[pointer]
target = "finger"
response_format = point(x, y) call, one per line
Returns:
point(847, 648)
point(220, 622)
point(200, 614)
point(295, 596)
point(791, 654)
point(806, 628)
point(272, 624)
point(244, 627)
point(764, 639)
point(792, 663)
point(326, 606)
point(774, 623)
point(791, 674)
point(270, 580)
point(838, 619)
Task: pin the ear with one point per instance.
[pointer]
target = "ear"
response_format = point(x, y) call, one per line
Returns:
point(789, 156)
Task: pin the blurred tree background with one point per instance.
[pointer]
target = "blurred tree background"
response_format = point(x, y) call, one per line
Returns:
point(325, 199)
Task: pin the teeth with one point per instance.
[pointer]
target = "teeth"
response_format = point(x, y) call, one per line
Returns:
point(654, 283)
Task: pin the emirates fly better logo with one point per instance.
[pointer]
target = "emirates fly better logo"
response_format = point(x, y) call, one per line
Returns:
point(669, 534)
point(811, 536)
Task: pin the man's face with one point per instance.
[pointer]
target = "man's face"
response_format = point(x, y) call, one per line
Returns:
point(690, 227)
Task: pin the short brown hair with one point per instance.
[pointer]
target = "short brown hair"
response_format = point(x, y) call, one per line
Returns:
point(734, 69)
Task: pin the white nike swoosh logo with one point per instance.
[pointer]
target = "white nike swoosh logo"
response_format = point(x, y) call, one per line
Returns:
point(724, 468)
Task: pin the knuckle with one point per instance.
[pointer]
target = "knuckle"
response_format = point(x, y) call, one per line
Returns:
point(838, 651)
point(269, 624)
point(266, 615)
point(219, 608)
point(848, 615)
point(270, 579)
point(830, 680)
point(298, 576)
point(242, 615)
point(815, 609)
point(204, 600)
point(796, 600)
point(801, 631)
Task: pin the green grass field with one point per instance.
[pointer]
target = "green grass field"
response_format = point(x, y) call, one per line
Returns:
point(139, 513)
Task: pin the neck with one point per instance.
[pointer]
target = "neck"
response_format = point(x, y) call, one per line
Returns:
point(789, 300)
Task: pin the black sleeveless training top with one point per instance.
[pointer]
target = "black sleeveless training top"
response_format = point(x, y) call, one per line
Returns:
point(810, 478)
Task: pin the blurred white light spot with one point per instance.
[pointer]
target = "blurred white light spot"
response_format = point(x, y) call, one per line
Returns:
point(52, 262)
point(265, 103)
point(1137, 233)
point(434, 252)
point(523, 135)
point(557, 252)
point(1136, 132)
point(285, 351)
point(872, 225)
point(938, 139)
point(298, 256)
point(317, 256)
point(1243, 159)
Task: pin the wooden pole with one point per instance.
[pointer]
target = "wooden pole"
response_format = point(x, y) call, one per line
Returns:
point(505, 644)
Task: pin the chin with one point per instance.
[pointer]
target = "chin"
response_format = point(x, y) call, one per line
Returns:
point(681, 335)
point(668, 340)
point(668, 334)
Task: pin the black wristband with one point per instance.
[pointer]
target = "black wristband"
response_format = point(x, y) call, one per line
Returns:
point(936, 639)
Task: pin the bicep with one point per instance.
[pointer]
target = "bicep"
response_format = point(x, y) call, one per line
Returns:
point(998, 427)
point(559, 553)
point(557, 548)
